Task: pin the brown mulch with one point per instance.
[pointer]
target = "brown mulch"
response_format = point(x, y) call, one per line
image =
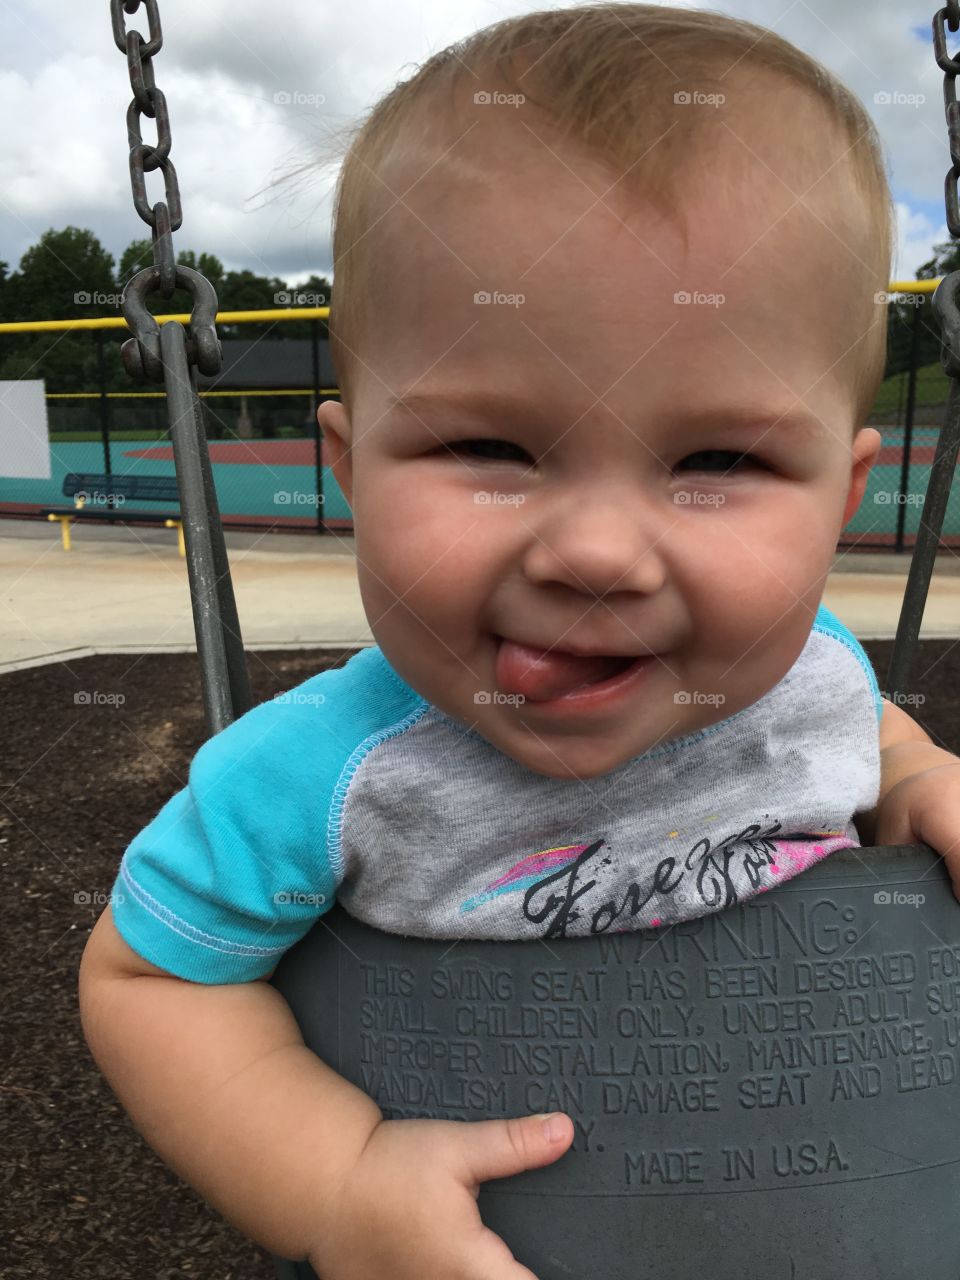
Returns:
point(83, 1195)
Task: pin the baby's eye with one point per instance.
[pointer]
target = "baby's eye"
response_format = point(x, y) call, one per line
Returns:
point(725, 459)
point(487, 448)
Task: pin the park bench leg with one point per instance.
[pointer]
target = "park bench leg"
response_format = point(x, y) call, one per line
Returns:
point(64, 522)
point(178, 525)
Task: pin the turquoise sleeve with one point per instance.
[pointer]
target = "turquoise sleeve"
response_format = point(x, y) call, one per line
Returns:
point(233, 870)
point(829, 622)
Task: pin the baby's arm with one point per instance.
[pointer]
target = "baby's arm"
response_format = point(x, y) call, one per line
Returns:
point(906, 750)
point(219, 1082)
point(919, 800)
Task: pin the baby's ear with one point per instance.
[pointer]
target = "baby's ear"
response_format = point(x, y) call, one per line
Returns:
point(863, 454)
point(867, 443)
point(334, 422)
point(332, 417)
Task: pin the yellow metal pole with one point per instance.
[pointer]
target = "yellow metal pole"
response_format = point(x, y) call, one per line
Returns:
point(118, 322)
point(64, 522)
point(178, 525)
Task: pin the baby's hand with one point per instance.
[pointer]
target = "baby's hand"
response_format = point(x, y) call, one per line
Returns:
point(924, 808)
point(407, 1209)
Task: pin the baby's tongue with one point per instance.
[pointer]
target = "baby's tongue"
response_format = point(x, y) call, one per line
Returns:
point(539, 675)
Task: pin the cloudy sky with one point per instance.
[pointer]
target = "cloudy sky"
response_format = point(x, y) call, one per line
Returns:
point(256, 86)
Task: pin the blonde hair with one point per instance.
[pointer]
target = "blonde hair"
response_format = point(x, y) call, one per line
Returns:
point(605, 75)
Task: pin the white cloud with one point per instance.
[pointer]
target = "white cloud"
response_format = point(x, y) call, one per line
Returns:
point(917, 235)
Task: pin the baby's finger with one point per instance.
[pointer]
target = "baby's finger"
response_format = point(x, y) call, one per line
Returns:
point(501, 1148)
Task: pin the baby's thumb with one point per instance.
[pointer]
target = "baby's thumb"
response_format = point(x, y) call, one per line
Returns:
point(499, 1148)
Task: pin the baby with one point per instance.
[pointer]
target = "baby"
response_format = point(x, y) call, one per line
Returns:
point(599, 434)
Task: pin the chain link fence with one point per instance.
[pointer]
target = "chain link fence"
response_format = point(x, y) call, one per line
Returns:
point(268, 465)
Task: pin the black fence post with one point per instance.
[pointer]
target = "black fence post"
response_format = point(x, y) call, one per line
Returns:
point(104, 411)
point(104, 402)
point(908, 429)
point(315, 343)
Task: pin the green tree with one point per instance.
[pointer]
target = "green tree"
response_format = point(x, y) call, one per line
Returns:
point(66, 274)
point(946, 258)
point(136, 256)
point(317, 291)
point(246, 291)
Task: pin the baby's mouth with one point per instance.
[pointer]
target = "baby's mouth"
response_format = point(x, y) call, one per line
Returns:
point(540, 675)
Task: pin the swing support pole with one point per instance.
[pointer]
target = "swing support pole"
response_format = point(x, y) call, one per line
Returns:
point(171, 356)
point(945, 306)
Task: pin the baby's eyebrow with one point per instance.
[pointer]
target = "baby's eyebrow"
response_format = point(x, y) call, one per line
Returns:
point(737, 417)
point(482, 402)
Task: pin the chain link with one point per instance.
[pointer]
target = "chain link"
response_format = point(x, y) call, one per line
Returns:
point(165, 216)
point(945, 299)
point(949, 16)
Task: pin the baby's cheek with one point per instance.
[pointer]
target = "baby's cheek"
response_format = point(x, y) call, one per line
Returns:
point(408, 581)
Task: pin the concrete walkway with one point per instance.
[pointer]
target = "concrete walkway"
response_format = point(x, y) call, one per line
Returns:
point(125, 590)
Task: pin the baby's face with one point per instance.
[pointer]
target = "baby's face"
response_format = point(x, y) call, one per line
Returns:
point(566, 471)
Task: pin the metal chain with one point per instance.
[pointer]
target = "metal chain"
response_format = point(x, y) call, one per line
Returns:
point(950, 66)
point(141, 354)
point(945, 299)
point(169, 355)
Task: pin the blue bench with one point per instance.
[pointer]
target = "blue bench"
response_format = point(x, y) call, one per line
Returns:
point(103, 497)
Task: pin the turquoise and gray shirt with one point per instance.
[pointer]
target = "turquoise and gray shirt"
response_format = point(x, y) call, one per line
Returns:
point(352, 787)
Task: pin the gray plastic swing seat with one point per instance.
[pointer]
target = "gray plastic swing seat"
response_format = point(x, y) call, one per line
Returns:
point(770, 1092)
